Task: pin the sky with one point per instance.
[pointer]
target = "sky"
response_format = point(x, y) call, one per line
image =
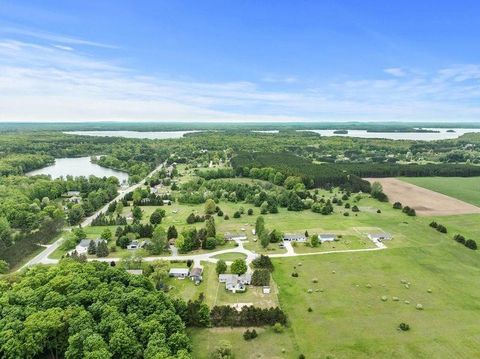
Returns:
point(239, 61)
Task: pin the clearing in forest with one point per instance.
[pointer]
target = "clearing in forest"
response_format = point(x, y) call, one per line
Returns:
point(425, 201)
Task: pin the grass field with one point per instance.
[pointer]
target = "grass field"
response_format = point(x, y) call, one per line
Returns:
point(349, 320)
point(465, 189)
point(230, 256)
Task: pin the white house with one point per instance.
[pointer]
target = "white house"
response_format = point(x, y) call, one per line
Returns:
point(379, 237)
point(235, 236)
point(82, 247)
point(234, 282)
point(327, 237)
point(179, 272)
point(294, 238)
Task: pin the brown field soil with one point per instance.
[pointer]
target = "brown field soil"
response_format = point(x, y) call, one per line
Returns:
point(425, 201)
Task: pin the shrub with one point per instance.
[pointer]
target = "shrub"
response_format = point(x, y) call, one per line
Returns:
point(295, 274)
point(278, 328)
point(346, 214)
point(310, 309)
point(237, 214)
point(441, 228)
point(470, 243)
point(250, 211)
point(397, 205)
point(248, 335)
point(220, 213)
point(379, 211)
point(404, 327)
point(433, 224)
point(355, 209)
point(226, 217)
point(459, 238)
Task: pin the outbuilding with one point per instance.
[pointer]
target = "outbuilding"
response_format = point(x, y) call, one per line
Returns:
point(179, 272)
point(294, 238)
point(327, 237)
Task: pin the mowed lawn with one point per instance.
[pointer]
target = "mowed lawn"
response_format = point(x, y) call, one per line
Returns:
point(349, 319)
point(464, 188)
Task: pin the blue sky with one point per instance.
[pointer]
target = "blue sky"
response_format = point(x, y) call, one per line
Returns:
point(239, 60)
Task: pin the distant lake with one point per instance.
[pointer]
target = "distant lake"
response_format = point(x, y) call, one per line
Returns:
point(419, 136)
point(80, 166)
point(151, 135)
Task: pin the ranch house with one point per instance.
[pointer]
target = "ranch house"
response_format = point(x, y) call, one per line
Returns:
point(327, 237)
point(294, 238)
point(235, 237)
point(179, 273)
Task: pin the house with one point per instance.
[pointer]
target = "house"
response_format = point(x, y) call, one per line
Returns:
point(75, 199)
point(133, 245)
point(379, 236)
point(135, 271)
point(72, 194)
point(327, 237)
point(266, 289)
point(179, 272)
point(234, 282)
point(196, 274)
point(235, 236)
point(137, 244)
point(294, 238)
point(167, 202)
point(82, 247)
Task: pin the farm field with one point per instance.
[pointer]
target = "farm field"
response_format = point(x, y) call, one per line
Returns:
point(463, 188)
point(349, 319)
point(425, 201)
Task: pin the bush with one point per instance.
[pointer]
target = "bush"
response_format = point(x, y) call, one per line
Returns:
point(220, 213)
point(295, 274)
point(310, 309)
point(470, 243)
point(346, 214)
point(237, 214)
point(261, 277)
point(404, 327)
point(278, 328)
point(459, 238)
point(397, 205)
point(226, 217)
point(433, 224)
point(441, 228)
point(355, 209)
point(250, 211)
point(248, 335)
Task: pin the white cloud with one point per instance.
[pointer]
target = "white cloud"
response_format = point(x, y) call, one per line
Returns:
point(395, 71)
point(52, 83)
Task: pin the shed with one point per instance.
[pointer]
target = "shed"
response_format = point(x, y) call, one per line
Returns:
point(178, 272)
point(327, 237)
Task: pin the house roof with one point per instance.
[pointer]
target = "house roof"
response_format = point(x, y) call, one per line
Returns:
point(179, 271)
point(327, 235)
point(234, 235)
point(135, 271)
point(196, 272)
point(293, 236)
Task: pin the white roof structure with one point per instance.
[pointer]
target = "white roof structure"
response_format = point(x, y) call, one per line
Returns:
point(327, 237)
point(179, 272)
point(294, 237)
point(380, 236)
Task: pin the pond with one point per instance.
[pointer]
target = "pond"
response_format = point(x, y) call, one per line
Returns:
point(151, 135)
point(79, 166)
point(443, 134)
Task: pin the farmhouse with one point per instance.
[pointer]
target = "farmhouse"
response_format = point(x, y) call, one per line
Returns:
point(234, 282)
point(196, 274)
point(235, 236)
point(82, 247)
point(327, 237)
point(136, 244)
point(294, 238)
point(179, 272)
point(72, 194)
point(379, 236)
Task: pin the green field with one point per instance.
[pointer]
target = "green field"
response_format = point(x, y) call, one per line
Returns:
point(464, 188)
point(349, 320)
point(230, 256)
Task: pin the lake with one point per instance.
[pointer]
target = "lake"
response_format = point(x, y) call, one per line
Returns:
point(79, 166)
point(151, 135)
point(419, 136)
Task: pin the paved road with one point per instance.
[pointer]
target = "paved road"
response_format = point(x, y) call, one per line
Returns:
point(42, 257)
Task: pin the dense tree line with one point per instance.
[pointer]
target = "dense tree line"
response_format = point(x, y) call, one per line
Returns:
point(249, 316)
point(275, 166)
point(88, 310)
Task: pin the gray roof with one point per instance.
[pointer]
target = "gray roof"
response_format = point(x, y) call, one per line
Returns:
point(327, 235)
point(380, 235)
point(234, 235)
point(135, 271)
point(196, 272)
point(86, 242)
point(290, 237)
point(179, 271)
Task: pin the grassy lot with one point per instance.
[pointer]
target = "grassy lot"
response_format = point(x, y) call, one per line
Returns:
point(349, 319)
point(465, 189)
point(230, 256)
point(346, 242)
point(268, 344)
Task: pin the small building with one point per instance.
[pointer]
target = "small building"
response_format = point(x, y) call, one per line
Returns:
point(135, 271)
point(295, 238)
point(167, 202)
point(133, 245)
point(266, 289)
point(196, 274)
point(253, 231)
point(327, 237)
point(72, 194)
point(179, 272)
point(379, 237)
point(235, 236)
